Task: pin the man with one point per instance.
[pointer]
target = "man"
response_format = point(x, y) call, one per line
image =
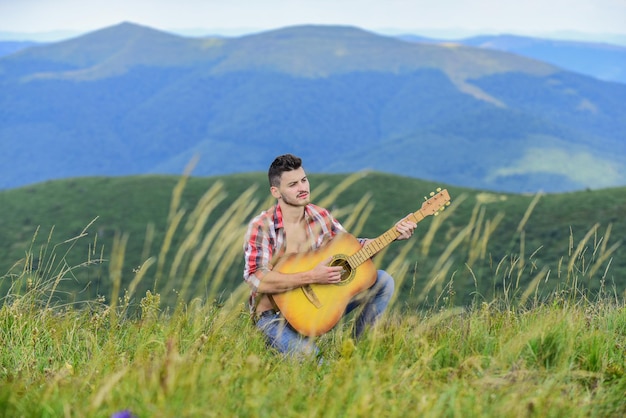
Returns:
point(295, 225)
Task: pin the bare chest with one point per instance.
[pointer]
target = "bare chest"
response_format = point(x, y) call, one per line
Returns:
point(296, 238)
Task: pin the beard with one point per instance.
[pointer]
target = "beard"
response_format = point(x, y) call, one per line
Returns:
point(297, 202)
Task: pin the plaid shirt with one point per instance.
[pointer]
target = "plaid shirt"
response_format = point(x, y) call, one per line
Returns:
point(265, 239)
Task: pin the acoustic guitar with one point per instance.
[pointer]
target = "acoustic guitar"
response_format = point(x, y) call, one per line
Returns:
point(314, 309)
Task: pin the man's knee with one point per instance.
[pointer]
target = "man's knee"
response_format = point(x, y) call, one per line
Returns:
point(385, 283)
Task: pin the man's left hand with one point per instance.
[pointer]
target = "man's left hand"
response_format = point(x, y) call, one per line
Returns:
point(405, 228)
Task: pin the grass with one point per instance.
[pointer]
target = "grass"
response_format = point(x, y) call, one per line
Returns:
point(522, 352)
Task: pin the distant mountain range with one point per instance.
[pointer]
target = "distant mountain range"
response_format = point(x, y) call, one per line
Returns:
point(130, 99)
point(600, 60)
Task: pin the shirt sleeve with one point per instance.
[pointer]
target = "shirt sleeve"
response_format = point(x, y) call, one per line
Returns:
point(257, 254)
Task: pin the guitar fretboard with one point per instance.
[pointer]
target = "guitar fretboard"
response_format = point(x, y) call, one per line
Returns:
point(378, 244)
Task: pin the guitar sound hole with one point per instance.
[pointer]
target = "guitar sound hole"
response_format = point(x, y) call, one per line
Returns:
point(346, 274)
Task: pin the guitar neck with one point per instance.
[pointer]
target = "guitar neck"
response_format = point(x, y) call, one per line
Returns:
point(378, 244)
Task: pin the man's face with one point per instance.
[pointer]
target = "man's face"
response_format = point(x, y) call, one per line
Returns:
point(294, 188)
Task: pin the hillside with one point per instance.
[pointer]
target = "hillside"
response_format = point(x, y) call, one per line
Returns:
point(502, 243)
point(132, 100)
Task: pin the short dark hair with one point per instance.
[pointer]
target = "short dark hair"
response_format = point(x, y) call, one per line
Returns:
point(282, 163)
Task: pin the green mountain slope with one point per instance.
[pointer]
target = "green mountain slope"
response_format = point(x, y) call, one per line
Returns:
point(132, 100)
point(520, 243)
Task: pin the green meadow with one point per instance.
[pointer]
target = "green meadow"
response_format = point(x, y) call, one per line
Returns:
point(125, 295)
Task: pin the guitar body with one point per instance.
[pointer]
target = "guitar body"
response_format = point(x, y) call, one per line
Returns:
point(315, 309)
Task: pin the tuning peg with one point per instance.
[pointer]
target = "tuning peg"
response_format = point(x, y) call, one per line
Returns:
point(438, 189)
point(447, 203)
point(425, 198)
point(436, 213)
point(432, 193)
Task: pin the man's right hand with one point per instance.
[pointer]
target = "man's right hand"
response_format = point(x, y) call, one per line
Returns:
point(323, 273)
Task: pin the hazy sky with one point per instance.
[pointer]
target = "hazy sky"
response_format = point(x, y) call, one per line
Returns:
point(493, 16)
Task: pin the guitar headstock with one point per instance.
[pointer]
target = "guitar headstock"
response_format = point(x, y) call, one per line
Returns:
point(436, 203)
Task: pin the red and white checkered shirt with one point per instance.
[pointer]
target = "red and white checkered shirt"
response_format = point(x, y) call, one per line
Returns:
point(265, 239)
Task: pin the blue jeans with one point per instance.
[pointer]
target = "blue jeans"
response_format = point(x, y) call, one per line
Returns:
point(287, 340)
